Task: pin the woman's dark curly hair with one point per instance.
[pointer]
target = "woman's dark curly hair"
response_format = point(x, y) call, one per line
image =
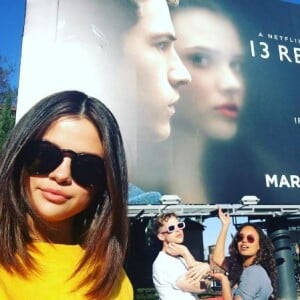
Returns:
point(265, 257)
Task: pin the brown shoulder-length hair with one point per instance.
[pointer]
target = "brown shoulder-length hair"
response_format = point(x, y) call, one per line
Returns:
point(102, 229)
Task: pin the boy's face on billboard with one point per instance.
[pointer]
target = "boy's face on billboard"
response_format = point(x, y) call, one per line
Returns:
point(149, 48)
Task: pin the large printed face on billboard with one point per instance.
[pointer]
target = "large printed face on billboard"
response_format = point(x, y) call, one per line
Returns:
point(206, 96)
point(210, 46)
point(159, 72)
point(210, 107)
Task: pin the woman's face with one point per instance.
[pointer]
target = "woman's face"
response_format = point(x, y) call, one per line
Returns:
point(56, 197)
point(210, 48)
point(248, 242)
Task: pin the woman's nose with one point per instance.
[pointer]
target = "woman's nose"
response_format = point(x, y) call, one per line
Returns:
point(228, 79)
point(62, 174)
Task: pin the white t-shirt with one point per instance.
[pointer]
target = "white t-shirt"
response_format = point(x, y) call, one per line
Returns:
point(166, 270)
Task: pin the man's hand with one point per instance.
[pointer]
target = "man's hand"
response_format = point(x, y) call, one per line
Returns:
point(194, 280)
point(176, 249)
point(198, 272)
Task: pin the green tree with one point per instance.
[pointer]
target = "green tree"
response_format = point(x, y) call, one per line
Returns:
point(7, 98)
point(7, 118)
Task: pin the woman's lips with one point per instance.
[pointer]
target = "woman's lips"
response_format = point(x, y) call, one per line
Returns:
point(243, 248)
point(228, 110)
point(54, 196)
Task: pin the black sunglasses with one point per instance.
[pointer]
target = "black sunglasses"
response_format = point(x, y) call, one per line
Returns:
point(42, 157)
point(172, 228)
point(250, 238)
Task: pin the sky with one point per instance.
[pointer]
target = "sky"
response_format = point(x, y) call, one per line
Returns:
point(12, 14)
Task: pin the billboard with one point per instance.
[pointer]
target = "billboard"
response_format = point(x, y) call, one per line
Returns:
point(211, 120)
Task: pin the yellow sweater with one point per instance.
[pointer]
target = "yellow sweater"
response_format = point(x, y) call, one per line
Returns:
point(57, 263)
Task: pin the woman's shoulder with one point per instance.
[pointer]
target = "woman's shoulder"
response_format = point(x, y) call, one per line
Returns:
point(254, 281)
point(256, 267)
point(255, 270)
point(256, 276)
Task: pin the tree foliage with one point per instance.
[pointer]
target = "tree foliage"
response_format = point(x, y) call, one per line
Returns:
point(6, 70)
point(7, 98)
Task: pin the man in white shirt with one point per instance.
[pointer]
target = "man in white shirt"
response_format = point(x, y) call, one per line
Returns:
point(176, 274)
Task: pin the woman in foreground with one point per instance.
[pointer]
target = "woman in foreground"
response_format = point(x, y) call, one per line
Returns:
point(63, 203)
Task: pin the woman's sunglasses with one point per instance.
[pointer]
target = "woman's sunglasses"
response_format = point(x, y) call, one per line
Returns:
point(42, 157)
point(172, 228)
point(250, 238)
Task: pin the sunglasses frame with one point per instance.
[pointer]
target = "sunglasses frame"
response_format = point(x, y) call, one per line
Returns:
point(172, 228)
point(249, 237)
point(81, 163)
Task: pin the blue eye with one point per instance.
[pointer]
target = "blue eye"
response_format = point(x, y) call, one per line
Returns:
point(237, 66)
point(199, 60)
point(163, 45)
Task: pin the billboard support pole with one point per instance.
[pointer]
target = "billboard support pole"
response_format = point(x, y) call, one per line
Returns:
point(279, 234)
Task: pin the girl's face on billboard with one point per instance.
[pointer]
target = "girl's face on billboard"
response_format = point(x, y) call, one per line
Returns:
point(211, 49)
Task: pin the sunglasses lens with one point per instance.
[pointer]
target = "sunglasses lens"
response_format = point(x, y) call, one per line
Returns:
point(240, 237)
point(88, 170)
point(42, 157)
point(250, 239)
point(181, 225)
point(171, 228)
